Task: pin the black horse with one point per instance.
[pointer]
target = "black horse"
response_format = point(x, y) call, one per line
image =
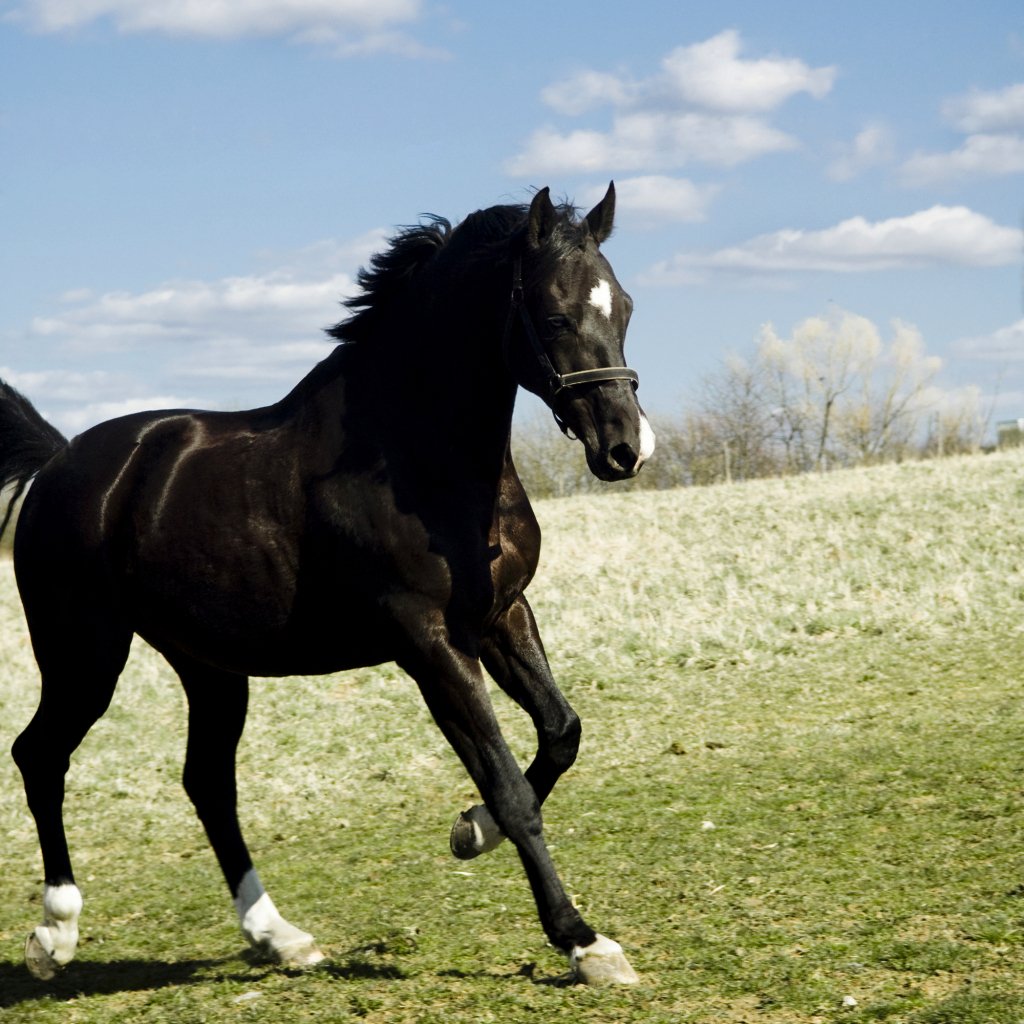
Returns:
point(373, 514)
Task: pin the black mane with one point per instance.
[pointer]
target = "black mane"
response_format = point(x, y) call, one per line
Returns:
point(485, 238)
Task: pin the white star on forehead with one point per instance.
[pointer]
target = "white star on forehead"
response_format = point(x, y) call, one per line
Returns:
point(601, 298)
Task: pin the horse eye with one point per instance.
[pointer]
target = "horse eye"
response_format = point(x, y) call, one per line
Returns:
point(561, 322)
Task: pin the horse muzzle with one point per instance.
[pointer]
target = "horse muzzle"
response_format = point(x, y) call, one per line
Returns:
point(624, 459)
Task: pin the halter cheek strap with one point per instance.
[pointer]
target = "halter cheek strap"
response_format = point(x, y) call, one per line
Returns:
point(555, 383)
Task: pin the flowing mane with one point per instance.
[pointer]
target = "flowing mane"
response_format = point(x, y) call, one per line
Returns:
point(402, 272)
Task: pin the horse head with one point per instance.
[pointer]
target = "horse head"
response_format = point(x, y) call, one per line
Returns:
point(574, 315)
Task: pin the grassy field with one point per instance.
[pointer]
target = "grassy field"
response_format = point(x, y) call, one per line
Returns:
point(799, 797)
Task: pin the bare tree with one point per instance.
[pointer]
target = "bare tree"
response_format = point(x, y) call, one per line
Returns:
point(737, 419)
point(810, 373)
point(957, 426)
point(883, 419)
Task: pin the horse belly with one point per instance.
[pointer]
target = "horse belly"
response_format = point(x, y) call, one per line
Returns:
point(262, 630)
point(249, 638)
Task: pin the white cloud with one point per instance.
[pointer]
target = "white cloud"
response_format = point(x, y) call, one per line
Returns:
point(709, 76)
point(979, 156)
point(264, 308)
point(651, 140)
point(587, 90)
point(993, 123)
point(979, 111)
point(62, 385)
point(656, 198)
point(347, 26)
point(940, 236)
point(1005, 345)
point(705, 104)
point(713, 76)
point(871, 146)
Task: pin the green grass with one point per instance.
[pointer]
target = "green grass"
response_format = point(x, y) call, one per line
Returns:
point(825, 669)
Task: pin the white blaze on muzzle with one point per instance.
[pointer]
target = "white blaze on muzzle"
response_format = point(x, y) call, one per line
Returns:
point(647, 440)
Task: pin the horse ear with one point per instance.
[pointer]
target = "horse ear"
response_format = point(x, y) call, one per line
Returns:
point(600, 218)
point(542, 218)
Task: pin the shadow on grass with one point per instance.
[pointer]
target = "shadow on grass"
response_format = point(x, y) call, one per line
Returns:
point(90, 979)
point(529, 971)
point(356, 970)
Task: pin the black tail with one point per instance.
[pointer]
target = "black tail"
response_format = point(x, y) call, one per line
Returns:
point(27, 443)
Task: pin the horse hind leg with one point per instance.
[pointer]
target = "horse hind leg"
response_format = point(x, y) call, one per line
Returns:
point(217, 704)
point(73, 697)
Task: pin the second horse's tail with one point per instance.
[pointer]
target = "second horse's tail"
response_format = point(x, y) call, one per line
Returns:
point(27, 443)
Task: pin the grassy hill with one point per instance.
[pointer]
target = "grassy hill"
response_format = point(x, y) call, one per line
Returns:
point(799, 797)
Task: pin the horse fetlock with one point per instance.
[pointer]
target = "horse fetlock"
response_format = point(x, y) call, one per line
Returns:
point(53, 943)
point(474, 832)
point(602, 963)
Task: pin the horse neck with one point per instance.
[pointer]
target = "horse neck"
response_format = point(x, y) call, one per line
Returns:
point(453, 392)
point(438, 400)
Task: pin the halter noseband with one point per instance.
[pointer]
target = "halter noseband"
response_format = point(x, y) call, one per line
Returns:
point(555, 383)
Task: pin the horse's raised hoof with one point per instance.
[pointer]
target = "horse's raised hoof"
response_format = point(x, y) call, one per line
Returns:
point(474, 832)
point(40, 961)
point(602, 963)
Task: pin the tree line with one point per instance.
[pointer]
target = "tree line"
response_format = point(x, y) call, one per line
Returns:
point(834, 394)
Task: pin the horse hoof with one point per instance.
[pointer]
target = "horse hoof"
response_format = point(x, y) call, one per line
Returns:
point(288, 947)
point(39, 961)
point(474, 832)
point(602, 963)
point(299, 956)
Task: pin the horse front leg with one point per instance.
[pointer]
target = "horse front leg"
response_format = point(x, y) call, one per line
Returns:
point(453, 686)
point(514, 656)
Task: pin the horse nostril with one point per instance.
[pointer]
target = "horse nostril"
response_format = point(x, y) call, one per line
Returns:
point(623, 456)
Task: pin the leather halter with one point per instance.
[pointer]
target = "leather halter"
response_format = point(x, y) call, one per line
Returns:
point(555, 383)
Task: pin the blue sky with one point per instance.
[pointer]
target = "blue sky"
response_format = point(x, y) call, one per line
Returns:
point(187, 188)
